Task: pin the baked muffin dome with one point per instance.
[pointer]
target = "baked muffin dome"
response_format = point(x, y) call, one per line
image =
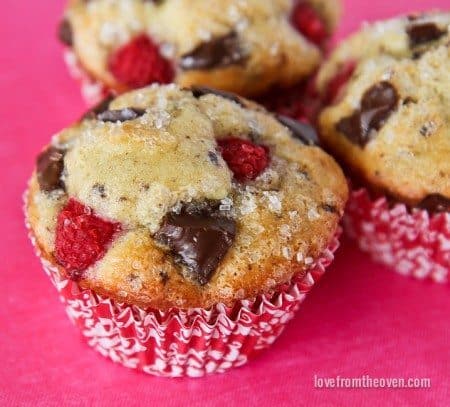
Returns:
point(241, 46)
point(165, 197)
point(389, 118)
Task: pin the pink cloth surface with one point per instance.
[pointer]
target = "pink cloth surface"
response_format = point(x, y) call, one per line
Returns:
point(361, 319)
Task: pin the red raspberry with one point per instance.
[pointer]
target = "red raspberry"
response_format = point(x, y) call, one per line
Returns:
point(306, 19)
point(81, 238)
point(337, 83)
point(139, 63)
point(245, 159)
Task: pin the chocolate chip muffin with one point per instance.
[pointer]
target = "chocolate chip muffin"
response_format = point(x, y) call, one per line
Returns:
point(165, 198)
point(388, 123)
point(240, 46)
point(389, 120)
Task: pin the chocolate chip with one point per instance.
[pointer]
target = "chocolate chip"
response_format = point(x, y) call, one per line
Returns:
point(219, 52)
point(49, 167)
point(199, 240)
point(427, 129)
point(409, 100)
point(164, 277)
point(435, 203)
point(329, 208)
point(213, 158)
point(65, 33)
point(99, 189)
point(423, 33)
point(121, 115)
point(417, 55)
point(377, 104)
point(98, 108)
point(199, 91)
point(302, 131)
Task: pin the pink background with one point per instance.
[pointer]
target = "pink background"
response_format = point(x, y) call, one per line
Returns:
point(362, 319)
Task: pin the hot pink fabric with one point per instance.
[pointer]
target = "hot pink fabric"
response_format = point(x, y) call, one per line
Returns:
point(361, 319)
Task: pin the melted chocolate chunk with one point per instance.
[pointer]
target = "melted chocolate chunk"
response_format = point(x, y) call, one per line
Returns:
point(377, 104)
point(219, 52)
point(199, 240)
point(302, 131)
point(199, 91)
point(98, 108)
point(121, 115)
point(65, 33)
point(423, 33)
point(435, 203)
point(49, 167)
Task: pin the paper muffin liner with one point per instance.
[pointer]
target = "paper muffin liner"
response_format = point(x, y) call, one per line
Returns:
point(412, 242)
point(92, 91)
point(177, 342)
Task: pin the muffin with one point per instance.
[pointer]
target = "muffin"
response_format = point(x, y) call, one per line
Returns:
point(183, 228)
point(240, 46)
point(388, 123)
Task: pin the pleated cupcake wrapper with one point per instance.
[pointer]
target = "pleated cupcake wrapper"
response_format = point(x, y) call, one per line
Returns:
point(92, 91)
point(412, 242)
point(177, 342)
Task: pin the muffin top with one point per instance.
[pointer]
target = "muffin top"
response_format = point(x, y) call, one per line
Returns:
point(245, 46)
point(182, 198)
point(388, 119)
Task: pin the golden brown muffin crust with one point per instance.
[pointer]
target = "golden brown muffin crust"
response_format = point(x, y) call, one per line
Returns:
point(406, 151)
point(275, 53)
point(148, 166)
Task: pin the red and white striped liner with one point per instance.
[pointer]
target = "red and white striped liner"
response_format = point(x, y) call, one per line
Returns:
point(191, 342)
point(412, 242)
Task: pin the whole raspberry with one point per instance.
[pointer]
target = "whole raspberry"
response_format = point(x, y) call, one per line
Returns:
point(246, 159)
point(338, 82)
point(306, 19)
point(81, 238)
point(139, 63)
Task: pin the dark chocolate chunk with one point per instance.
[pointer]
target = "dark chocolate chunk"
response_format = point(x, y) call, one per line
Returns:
point(427, 129)
point(164, 277)
point(409, 100)
point(435, 203)
point(219, 52)
point(99, 189)
point(121, 115)
point(213, 158)
point(329, 208)
point(65, 33)
point(199, 91)
point(302, 131)
point(423, 33)
point(49, 167)
point(377, 104)
point(199, 240)
point(98, 108)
